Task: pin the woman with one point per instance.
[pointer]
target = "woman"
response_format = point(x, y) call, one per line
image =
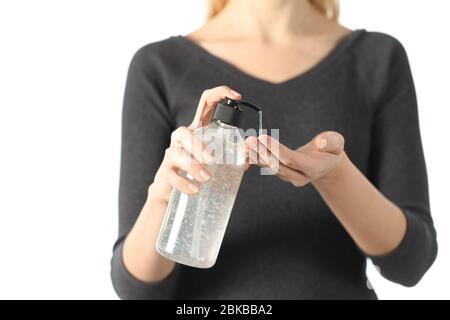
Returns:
point(306, 232)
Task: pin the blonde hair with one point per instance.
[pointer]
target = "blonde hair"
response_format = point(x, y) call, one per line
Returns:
point(329, 8)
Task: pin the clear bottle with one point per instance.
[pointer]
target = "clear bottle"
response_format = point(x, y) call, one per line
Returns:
point(194, 225)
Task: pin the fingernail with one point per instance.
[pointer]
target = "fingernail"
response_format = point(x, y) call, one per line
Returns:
point(192, 187)
point(205, 175)
point(235, 93)
point(323, 143)
point(207, 156)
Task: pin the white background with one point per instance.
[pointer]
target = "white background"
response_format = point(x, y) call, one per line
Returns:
point(62, 73)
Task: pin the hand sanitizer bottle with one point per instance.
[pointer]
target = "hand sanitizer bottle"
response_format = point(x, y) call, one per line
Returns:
point(194, 225)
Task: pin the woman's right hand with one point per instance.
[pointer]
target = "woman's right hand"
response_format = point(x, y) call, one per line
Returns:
point(187, 153)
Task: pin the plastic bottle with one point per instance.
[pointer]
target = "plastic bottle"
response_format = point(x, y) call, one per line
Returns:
point(194, 225)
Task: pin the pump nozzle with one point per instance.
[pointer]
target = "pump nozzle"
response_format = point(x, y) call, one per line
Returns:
point(250, 105)
point(230, 112)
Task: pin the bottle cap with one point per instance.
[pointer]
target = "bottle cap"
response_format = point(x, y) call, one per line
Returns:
point(232, 111)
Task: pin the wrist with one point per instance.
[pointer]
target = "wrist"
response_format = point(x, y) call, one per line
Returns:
point(158, 193)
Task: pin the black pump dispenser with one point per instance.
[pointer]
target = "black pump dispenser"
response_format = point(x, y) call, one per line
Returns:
point(232, 111)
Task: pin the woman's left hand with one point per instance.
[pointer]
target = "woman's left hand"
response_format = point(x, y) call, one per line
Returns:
point(314, 161)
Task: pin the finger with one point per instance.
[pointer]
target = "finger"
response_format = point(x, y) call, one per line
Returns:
point(251, 144)
point(286, 156)
point(183, 137)
point(180, 183)
point(330, 141)
point(247, 158)
point(177, 158)
point(296, 178)
point(252, 151)
point(207, 103)
point(264, 157)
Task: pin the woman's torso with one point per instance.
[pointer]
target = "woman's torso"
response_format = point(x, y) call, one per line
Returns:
point(282, 242)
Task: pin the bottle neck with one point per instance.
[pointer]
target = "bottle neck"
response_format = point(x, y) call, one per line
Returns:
point(224, 125)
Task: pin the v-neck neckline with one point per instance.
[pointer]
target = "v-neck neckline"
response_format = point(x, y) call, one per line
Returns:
point(235, 71)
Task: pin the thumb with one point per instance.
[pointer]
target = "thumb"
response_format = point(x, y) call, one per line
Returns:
point(330, 141)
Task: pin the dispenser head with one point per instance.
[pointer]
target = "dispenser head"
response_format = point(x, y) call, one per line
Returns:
point(232, 111)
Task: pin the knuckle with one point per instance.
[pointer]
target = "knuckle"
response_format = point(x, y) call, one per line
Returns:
point(205, 93)
point(183, 130)
point(179, 155)
point(175, 134)
point(181, 136)
point(193, 168)
point(174, 154)
point(178, 132)
point(189, 162)
point(168, 175)
point(223, 87)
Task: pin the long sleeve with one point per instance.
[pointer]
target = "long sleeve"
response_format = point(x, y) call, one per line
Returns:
point(146, 128)
point(364, 88)
point(398, 170)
